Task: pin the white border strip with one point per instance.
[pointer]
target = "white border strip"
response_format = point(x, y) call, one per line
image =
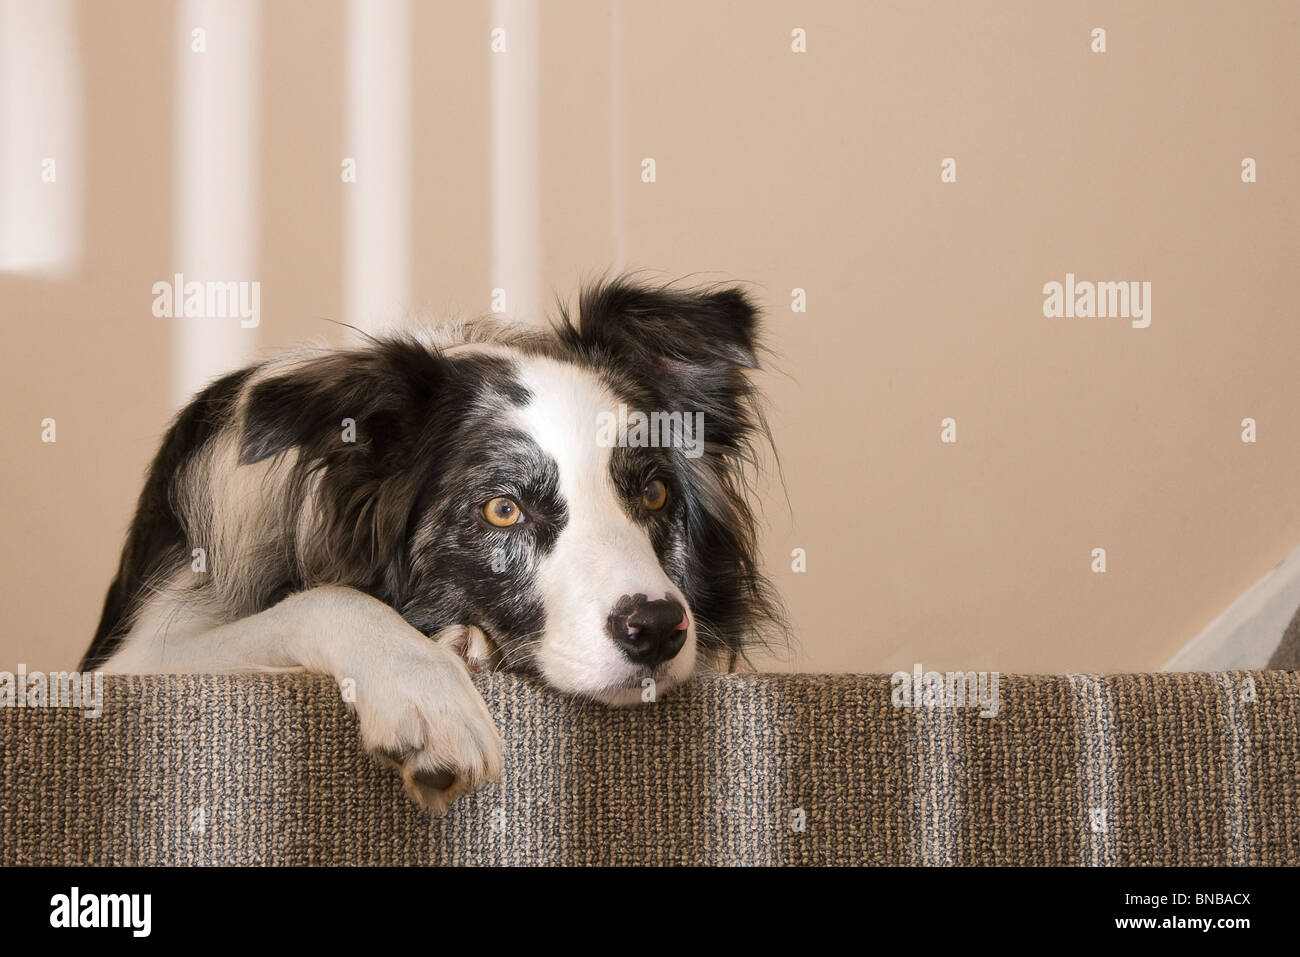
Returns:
point(1247, 633)
point(516, 159)
point(40, 121)
point(216, 181)
point(617, 135)
point(377, 135)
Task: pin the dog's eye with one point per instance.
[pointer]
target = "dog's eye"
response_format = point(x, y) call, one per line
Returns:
point(655, 495)
point(503, 512)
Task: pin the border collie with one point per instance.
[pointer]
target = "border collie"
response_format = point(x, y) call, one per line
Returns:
point(395, 514)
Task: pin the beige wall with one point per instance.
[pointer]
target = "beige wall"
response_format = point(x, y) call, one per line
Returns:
point(816, 170)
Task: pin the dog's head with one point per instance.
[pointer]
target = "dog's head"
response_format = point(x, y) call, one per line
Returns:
point(579, 494)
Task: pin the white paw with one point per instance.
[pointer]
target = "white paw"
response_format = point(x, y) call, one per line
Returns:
point(470, 645)
point(420, 712)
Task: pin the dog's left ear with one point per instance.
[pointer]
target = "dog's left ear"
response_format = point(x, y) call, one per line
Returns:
point(691, 346)
point(701, 327)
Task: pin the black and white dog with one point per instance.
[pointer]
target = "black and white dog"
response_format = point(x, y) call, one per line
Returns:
point(389, 513)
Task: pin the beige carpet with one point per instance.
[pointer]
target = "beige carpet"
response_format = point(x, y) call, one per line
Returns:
point(758, 769)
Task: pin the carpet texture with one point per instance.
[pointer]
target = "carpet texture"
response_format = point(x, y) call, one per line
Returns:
point(738, 769)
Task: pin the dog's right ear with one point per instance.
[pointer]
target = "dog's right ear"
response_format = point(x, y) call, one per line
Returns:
point(357, 421)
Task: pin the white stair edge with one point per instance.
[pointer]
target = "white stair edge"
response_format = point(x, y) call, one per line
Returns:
point(1249, 630)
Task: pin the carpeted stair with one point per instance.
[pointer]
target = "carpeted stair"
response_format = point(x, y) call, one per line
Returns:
point(736, 769)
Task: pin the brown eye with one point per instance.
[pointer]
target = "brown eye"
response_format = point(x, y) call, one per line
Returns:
point(655, 495)
point(503, 512)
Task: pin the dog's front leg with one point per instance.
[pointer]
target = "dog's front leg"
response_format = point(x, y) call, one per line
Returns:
point(417, 705)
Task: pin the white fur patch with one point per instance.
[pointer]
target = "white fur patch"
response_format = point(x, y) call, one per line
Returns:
point(601, 554)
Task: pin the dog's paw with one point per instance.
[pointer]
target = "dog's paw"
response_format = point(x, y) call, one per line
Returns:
point(425, 717)
point(469, 644)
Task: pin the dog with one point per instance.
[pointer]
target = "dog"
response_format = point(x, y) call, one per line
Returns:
point(395, 514)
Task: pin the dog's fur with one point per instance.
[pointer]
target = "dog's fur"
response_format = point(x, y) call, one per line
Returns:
point(266, 539)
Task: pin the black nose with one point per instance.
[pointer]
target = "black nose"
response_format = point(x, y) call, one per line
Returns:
point(648, 632)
